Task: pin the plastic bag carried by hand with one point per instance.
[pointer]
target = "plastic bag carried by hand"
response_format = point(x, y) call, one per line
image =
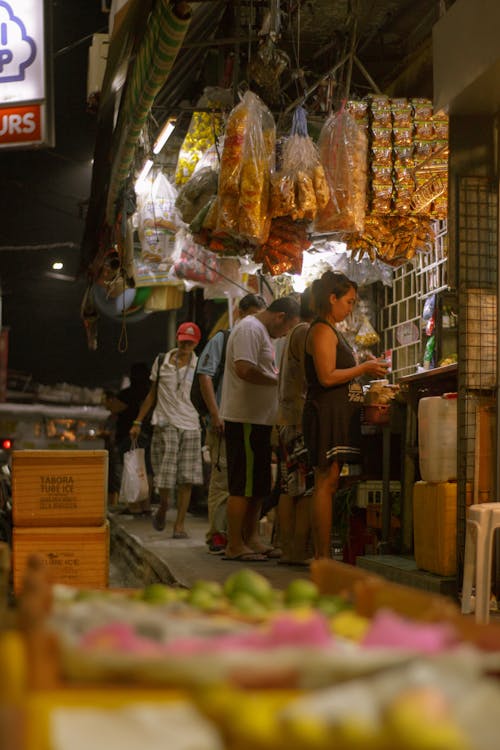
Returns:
point(134, 485)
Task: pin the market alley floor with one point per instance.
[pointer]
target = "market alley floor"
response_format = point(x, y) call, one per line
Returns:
point(140, 555)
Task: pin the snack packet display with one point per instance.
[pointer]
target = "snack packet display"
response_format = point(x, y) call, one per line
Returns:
point(246, 164)
point(343, 147)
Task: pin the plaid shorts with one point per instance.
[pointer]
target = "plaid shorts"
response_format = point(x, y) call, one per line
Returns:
point(176, 457)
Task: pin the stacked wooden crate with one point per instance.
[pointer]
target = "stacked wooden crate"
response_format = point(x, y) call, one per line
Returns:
point(59, 513)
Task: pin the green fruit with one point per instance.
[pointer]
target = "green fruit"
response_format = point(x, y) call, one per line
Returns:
point(247, 604)
point(301, 592)
point(330, 604)
point(249, 582)
point(204, 600)
point(158, 593)
point(213, 587)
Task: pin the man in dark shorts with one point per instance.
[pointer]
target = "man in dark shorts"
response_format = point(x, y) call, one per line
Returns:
point(249, 408)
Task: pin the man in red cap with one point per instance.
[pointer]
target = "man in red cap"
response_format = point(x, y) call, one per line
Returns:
point(176, 442)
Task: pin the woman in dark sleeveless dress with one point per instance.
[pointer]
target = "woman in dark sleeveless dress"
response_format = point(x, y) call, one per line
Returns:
point(331, 419)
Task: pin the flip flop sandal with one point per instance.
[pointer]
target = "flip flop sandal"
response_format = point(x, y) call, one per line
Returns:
point(247, 557)
point(180, 535)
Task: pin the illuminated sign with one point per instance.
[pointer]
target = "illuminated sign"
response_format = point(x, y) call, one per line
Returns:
point(21, 125)
point(22, 51)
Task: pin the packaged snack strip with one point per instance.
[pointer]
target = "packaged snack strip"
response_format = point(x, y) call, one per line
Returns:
point(403, 136)
point(423, 129)
point(440, 127)
point(381, 155)
point(380, 205)
point(381, 172)
point(402, 112)
point(381, 184)
point(421, 149)
point(422, 108)
point(359, 110)
point(404, 155)
point(380, 108)
point(381, 136)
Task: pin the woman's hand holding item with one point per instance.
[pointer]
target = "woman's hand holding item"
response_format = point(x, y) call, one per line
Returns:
point(375, 367)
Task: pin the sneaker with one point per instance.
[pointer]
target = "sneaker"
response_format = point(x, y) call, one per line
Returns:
point(217, 544)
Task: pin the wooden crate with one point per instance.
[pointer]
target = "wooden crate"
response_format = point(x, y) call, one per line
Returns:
point(76, 556)
point(59, 487)
point(435, 526)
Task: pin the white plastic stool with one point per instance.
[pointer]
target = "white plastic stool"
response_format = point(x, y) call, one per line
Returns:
point(482, 520)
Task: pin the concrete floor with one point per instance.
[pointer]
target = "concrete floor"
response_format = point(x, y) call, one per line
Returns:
point(140, 555)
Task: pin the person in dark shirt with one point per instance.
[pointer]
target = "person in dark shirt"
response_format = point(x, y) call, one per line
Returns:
point(130, 400)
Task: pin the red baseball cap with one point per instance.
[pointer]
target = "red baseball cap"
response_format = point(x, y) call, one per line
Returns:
point(188, 332)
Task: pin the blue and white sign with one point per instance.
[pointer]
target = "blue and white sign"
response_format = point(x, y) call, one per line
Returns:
point(22, 53)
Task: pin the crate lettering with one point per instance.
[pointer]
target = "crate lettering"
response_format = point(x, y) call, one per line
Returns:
point(55, 504)
point(57, 485)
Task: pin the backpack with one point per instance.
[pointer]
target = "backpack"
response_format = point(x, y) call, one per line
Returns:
point(196, 395)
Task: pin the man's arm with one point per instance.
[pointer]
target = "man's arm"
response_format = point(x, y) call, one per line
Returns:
point(249, 372)
point(208, 393)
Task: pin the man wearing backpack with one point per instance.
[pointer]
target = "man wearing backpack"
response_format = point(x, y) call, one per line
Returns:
point(210, 372)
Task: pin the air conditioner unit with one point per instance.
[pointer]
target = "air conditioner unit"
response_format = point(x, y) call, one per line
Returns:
point(98, 57)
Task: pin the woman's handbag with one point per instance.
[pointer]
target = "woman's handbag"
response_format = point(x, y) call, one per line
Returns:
point(134, 485)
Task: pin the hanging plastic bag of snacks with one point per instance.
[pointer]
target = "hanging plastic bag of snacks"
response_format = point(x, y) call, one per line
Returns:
point(245, 171)
point(367, 335)
point(205, 127)
point(300, 187)
point(157, 221)
point(193, 262)
point(196, 193)
point(343, 148)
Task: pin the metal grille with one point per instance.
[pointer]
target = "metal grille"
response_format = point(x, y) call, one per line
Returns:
point(477, 344)
point(401, 316)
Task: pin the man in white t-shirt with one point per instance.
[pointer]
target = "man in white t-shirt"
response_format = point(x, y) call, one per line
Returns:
point(176, 442)
point(211, 359)
point(249, 407)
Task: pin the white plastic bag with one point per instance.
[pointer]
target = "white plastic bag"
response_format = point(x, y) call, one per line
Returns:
point(134, 486)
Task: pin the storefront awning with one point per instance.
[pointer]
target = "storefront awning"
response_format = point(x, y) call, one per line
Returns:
point(156, 55)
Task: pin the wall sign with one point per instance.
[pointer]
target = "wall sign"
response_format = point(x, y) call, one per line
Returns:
point(23, 91)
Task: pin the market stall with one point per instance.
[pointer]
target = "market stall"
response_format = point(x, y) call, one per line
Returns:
point(356, 663)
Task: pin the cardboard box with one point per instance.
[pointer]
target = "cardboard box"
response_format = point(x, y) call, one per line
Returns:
point(76, 556)
point(435, 527)
point(59, 487)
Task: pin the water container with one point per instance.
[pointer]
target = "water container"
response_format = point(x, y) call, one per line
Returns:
point(437, 438)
